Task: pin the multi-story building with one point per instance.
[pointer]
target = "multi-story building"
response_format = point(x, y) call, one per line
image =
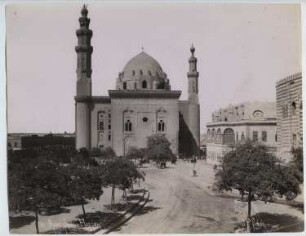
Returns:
point(289, 115)
point(236, 123)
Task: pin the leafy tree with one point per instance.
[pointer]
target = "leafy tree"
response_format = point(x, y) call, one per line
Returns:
point(36, 186)
point(256, 174)
point(158, 148)
point(83, 182)
point(135, 153)
point(120, 172)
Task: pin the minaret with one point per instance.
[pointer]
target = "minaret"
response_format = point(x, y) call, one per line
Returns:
point(84, 51)
point(83, 86)
point(194, 107)
point(193, 76)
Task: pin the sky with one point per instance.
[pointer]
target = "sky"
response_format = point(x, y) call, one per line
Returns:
point(242, 51)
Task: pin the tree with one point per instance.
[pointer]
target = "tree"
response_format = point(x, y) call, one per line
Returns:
point(158, 148)
point(83, 182)
point(256, 174)
point(37, 185)
point(120, 172)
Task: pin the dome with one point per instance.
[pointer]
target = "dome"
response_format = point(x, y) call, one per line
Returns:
point(142, 72)
point(142, 64)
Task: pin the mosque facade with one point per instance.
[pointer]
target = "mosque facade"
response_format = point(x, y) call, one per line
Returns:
point(142, 104)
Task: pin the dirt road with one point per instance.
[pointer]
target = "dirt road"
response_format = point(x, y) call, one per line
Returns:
point(182, 203)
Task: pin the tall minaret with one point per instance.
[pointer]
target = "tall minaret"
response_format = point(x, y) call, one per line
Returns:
point(84, 51)
point(83, 86)
point(194, 107)
point(193, 76)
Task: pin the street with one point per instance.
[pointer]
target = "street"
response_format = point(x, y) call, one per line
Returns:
point(182, 203)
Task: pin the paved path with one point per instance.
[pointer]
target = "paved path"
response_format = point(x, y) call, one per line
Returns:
point(181, 203)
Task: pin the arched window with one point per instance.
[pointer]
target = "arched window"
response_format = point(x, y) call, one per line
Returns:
point(228, 136)
point(161, 126)
point(128, 126)
point(124, 85)
point(213, 134)
point(144, 84)
point(135, 85)
point(208, 133)
point(219, 135)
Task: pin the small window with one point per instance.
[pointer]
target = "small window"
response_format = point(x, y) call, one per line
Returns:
point(255, 136)
point(124, 85)
point(264, 136)
point(149, 72)
point(161, 126)
point(135, 85)
point(145, 119)
point(15, 144)
point(109, 137)
point(140, 72)
point(275, 137)
point(109, 115)
point(133, 72)
point(109, 126)
point(128, 126)
point(144, 84)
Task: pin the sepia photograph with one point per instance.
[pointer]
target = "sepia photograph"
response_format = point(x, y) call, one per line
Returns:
point(150, 117)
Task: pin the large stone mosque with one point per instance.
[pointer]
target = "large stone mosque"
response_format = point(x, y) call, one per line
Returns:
point(141, 105)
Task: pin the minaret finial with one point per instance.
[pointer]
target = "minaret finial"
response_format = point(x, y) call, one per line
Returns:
point(84, 11)
point(192, 49)
point(142, 48)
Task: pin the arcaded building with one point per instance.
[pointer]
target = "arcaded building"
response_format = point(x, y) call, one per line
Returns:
point(141, 104)
point(229, 126)
point(289, 115)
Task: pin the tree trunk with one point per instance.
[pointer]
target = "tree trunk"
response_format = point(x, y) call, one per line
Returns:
point(249, 220)
point(36, 220)
point(113, 196)
point(83, 208)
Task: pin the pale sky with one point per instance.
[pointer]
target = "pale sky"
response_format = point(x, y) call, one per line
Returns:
point(242, 50)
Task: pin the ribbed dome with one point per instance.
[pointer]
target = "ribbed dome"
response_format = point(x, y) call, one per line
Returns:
point(142, 64)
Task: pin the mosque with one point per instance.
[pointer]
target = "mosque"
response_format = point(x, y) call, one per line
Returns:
point(141, 105)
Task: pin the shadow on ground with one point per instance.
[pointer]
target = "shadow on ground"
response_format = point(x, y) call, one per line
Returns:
point(97, 218)
point(120, 206)
point(67, 231)
point(19, 221)
point(146, 210)
point(279, 222)
point(54, 211)
point(133, 197)
point(299, 207)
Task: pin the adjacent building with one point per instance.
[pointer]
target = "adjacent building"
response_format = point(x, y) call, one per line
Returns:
point(142, 104)
point(40, 141)
point(236, 123)
point(289, 115)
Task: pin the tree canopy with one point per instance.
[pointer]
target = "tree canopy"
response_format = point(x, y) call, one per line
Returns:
point(158, 148)
point(256, 173)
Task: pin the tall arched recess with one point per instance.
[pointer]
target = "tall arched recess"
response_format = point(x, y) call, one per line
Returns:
point(228, 137)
